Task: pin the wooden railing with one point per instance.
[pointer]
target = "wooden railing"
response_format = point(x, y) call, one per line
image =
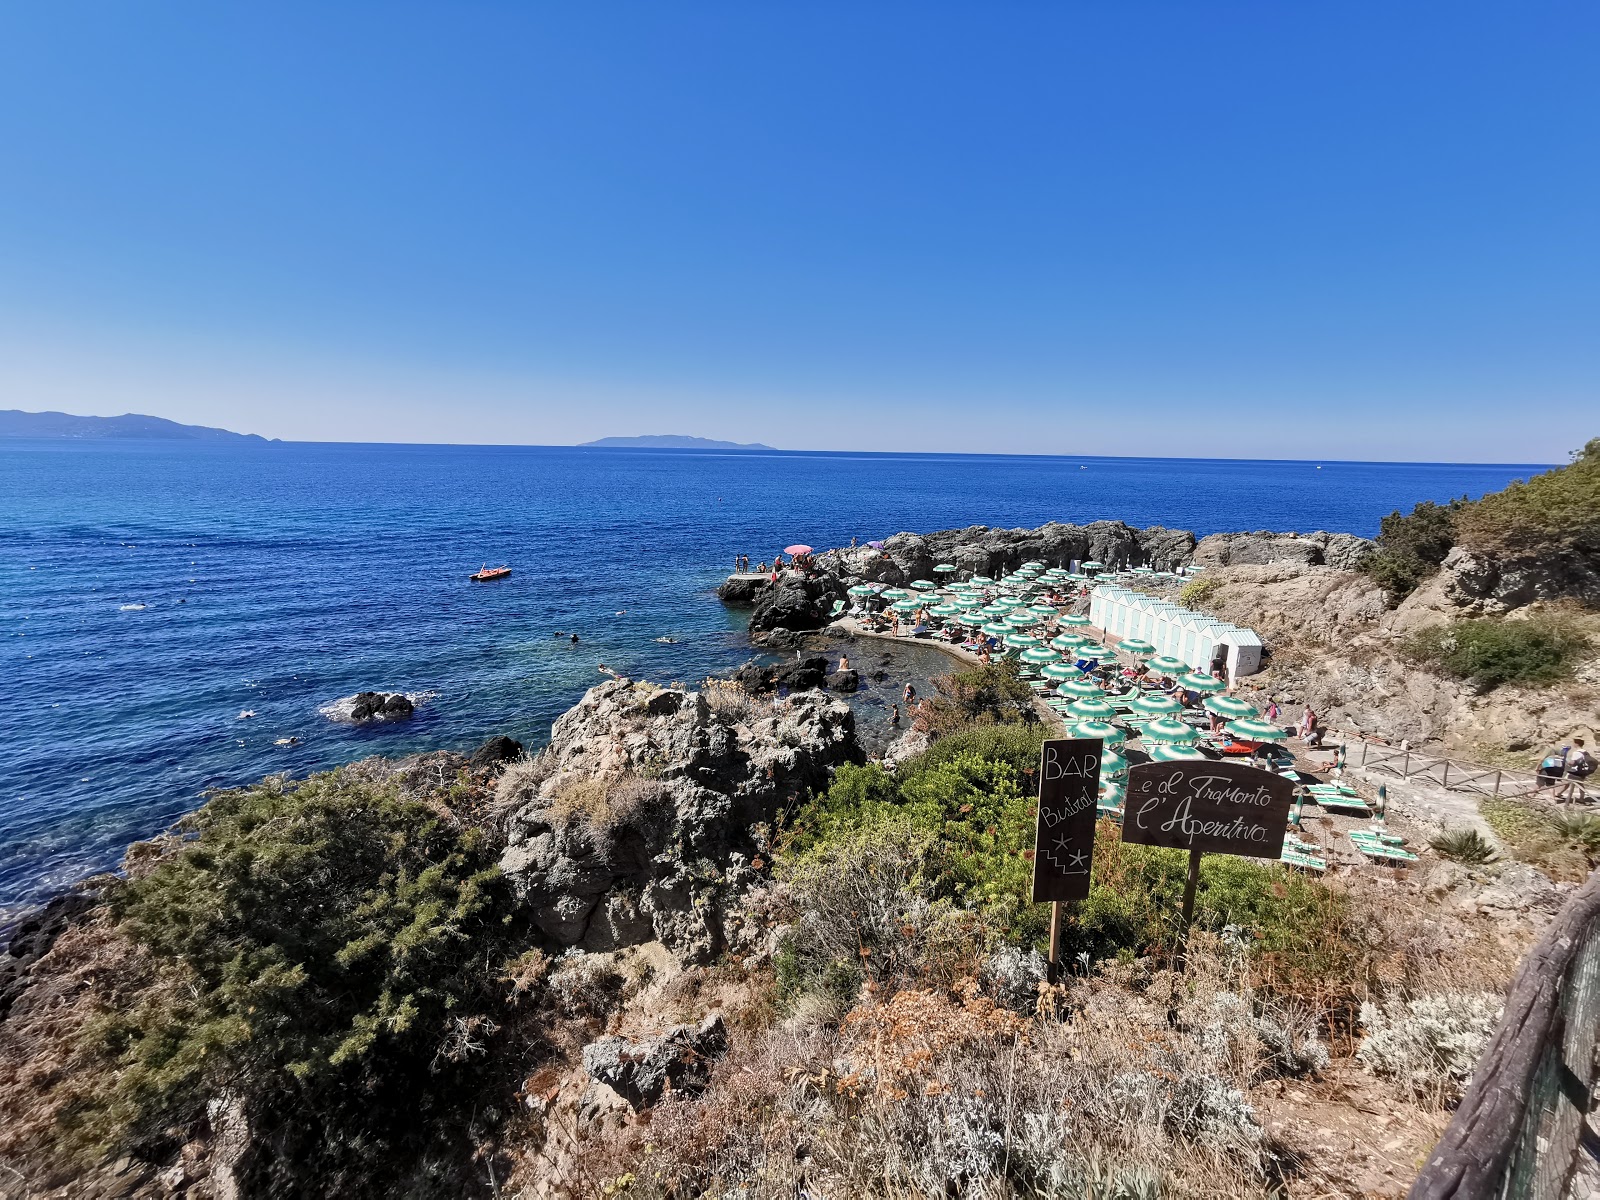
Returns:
point(1518, 1130)
point(1446, 772)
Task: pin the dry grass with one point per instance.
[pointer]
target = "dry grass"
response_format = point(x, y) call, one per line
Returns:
point(730, 702)
point(603, 804)
point(54, 1065)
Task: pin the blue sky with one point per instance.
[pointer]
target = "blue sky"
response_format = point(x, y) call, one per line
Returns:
point(1309, 230)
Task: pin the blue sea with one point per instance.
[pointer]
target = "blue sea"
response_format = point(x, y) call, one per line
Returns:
point(151, 592)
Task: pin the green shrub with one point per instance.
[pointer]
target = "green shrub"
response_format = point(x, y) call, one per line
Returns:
point(987, 695)
point(334, 950)
point(1464, 845)
point(1559, 510)
point(1491, 651)
point(1411, 546)
point(1198, 594)
point(1018, 746)
point(1564, 845)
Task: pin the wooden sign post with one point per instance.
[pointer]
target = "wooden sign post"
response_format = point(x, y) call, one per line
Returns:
point(1206, 807)
point(1063, 844)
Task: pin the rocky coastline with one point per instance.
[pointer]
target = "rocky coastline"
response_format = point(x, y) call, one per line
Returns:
point(635, 851)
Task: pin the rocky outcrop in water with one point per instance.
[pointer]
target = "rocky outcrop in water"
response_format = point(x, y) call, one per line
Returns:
point(374, 706)
point(648, 814)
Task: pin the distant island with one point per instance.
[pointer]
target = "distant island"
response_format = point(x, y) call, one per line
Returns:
point(15, 423)
point(673, 441)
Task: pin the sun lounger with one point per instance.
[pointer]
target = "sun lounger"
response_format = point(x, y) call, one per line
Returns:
point(1342, 802)
point(1303, 860)
point(1378, 848)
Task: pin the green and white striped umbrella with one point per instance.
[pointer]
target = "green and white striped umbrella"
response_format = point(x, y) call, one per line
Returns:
point(1067, 641)
point(997, 630)
point(1009, 602)
point(1174, 733)
point(1021, 618)
point(1103, 731)
point(1229, 706)
point(1080, 688)
point(968, 600)
point(1092, 710)
point(1155, 704)
point(1112, 763)
point(1167, 665)
point(924, 585)
point(944, 610)
point(946, 569)
point(1020, 641)
point(906, 606)
point(1253, 729)
point(1091, 565)
point(1061, 670)
point(1196, 682)
point(1112, 793)
point(1092, 650)
point(1078, 620)
point(1169, 753)
point(971, 618)
point(1135, 646)
point(1033, 565)
point(981, 580)
point(1038, 655)
point(1043, 610)
point(862, 589)
point(894, 593)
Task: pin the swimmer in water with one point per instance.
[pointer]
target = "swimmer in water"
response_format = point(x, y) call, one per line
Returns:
point(894, 714)
point(574, 639)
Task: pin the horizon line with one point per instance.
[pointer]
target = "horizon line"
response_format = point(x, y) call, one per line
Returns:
point(751, 452)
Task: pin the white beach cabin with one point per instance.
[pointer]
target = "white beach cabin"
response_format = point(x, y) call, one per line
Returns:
point(1197, 639)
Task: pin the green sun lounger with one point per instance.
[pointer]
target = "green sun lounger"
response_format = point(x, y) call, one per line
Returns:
point(1343, 803)
point(1376, 847)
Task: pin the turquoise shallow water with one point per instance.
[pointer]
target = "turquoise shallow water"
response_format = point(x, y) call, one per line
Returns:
point(150, 592)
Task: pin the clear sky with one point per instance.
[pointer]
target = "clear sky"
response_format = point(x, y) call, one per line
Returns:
point(1286, 229)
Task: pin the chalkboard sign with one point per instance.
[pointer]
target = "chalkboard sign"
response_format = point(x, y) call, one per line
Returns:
point(1216, 807)
point(1069, 788)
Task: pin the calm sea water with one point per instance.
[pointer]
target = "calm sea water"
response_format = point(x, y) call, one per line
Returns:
point(151, 592)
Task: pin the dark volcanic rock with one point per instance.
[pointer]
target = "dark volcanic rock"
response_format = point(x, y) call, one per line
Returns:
point(742, 592)
point(641, 1072)
point(380, 706)
point(844, 681)
point(790, 605)
point(797, 675)
point(495, 751)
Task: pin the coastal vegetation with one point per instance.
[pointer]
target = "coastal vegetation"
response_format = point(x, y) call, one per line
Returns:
point(1491, 651)
point(1197, 593)
point(1556, 513)
point(327, 951)
point(1411, 546)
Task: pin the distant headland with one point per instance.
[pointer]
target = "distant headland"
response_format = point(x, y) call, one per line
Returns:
point(673, 441)
point(15, 423)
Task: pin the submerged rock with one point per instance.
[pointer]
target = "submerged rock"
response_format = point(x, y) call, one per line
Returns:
point(374, 706)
